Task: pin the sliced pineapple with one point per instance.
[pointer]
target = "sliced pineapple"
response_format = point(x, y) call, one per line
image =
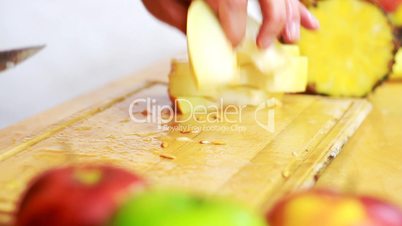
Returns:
point(266, 60)
point(280, 68)
point(397, 68)
point(291, 79)
point(218, 74)
point(243, 95)
point(182, 82)
point(188, 104)
point(351, 52)
point(396, 17)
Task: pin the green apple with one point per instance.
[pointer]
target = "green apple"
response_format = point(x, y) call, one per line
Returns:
point(167, 208)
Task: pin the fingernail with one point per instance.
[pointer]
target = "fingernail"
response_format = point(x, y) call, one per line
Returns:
point(294, 32)
point(314, 22)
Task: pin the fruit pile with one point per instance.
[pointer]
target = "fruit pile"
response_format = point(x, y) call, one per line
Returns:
point(351, 53)
point(218, 72)
point(109, 196)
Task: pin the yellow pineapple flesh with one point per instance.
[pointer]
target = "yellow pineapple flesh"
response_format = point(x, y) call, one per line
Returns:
point(396, 17)
point(351, 52)
point(397, 68)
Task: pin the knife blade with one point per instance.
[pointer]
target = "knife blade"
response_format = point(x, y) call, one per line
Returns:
point(10, 58)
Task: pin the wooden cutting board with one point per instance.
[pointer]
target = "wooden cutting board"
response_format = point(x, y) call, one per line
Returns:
point(241, 159)
point(370, 163)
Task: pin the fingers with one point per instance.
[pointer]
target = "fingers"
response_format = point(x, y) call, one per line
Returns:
point(283, 18)
point(173, 12)
point(291, 33)
point(307, 19)
point(280, 18)
point(274, 20)
point(232, 15)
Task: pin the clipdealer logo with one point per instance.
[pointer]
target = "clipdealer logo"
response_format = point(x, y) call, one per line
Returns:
point(215, 117)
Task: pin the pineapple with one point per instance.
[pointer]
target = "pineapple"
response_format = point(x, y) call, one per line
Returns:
point(397, 68)
point(353, 50)
point(219, 75)
point(396, 17)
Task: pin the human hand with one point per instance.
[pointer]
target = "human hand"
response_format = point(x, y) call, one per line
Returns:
point(281, 18)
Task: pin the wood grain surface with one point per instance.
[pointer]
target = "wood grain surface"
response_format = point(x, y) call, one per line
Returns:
point(371, 163)
point(240, 159)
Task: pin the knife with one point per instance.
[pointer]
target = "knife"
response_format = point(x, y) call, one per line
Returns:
point(10, 58)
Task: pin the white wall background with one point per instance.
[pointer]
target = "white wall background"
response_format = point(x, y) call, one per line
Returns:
point(89, 43)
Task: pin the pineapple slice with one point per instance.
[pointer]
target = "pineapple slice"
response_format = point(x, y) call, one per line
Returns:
point(279, 68)
point(396, 17)
point(351, 52)
point(187, 105)
point(397, 68)
point(218, 74)
point(187, 97)
point(290, 79)
point(181, 86)
point(182, 82)
point(243, 95)
point(266, 60)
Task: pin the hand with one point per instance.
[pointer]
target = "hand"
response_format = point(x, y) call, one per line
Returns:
point(281, 18)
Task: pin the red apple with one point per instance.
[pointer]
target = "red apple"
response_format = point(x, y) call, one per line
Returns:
point(388, 5)
point(381, 212)
point(76, 196)
point(326, 208)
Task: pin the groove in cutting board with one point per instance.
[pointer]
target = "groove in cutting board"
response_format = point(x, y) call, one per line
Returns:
point(304, 174)
point(266, 170)
point(290, 171)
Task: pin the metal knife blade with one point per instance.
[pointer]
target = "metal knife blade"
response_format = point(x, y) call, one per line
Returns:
point(10, 58)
